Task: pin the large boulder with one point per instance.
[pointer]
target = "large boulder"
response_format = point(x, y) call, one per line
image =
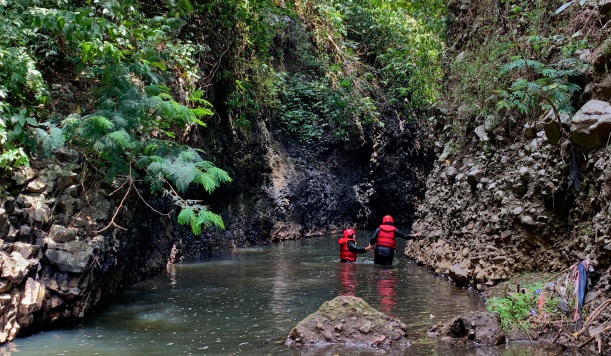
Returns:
point(350, 321)
point(591, 125)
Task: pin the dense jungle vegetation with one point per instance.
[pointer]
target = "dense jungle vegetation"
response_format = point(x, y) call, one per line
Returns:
point(123, 81)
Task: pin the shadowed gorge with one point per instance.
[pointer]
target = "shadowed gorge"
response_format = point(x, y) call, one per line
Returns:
point(141, 136)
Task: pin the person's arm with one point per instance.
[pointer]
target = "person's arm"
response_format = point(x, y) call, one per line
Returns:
point(374, 238)
point(353, 248)
point(401, 234)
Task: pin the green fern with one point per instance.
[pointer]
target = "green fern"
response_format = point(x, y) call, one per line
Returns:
point(51, 140)
point(207, 218)
point(551, 89)
point(520, 64)
point(197, 216)
point(181, 173)
point(121, 139)
point(186, 215)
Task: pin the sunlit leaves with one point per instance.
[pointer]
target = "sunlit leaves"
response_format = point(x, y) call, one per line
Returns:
point(131, 115)
point(198, 216)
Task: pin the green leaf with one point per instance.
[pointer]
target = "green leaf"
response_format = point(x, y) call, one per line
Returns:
point(208, 218)
point(31, 121)
point(186, 215)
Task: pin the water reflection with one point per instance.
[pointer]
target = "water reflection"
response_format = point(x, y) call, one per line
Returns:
point(246, 302)
point(347, 278)
point(386, 285)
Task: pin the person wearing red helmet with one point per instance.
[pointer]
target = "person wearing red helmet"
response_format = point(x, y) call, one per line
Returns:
point(384, 239)
point(347, 247)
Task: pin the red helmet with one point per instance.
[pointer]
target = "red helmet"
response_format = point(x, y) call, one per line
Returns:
point(348, 233)
point(387, 219)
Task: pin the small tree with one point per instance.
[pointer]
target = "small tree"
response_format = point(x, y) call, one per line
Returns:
point(549, 90)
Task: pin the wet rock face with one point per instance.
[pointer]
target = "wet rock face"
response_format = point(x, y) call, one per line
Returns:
point(312, 190)
point(284, 189)
point(482, 328)
point(350, 321)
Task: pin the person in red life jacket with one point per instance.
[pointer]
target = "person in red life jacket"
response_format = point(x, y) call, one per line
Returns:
point(385, 241)
point(347, 247)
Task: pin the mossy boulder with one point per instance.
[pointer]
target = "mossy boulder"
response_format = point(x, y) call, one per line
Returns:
point(349, 321)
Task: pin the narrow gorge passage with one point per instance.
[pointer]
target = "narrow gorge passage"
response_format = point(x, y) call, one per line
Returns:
point(246, 301)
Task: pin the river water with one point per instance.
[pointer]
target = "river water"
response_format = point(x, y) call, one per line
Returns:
point(246, 301)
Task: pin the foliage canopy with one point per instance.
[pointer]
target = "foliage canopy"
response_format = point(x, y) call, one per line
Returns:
point(127, 121)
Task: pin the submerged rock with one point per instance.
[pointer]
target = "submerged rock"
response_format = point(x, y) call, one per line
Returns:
point(350, 321)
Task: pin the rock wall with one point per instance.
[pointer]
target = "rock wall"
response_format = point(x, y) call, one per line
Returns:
point(58, 262)
point(490, 215)
point(284, 189)
point(306, 191)
point(508, 193)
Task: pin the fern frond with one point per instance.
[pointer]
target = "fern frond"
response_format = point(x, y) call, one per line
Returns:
point(99, 146)
point(150, 148)
point(522, 107)
point(521, 63)
point(190, 156)
point(207, 218)
point(218, 174)
point(197, 96)
point(99, 124)
point(572, 87)
point(186, 215)
point(207, 181)
point(152, 90)
point(519, 84)
point(503, 104)
point(120, 138)
point(71, 121)
point(119, 120)
point(205, 165)
point(561, 99)
point(550, 73)
point(51, 140)
point(154, 167)
point(533, 87)
point(129, 103)
point(201, 112)
point(181, 173)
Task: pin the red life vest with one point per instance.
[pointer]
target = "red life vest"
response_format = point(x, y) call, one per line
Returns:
point(344, 253)
point(386, 236)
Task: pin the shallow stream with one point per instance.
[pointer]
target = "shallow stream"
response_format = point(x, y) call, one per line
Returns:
point(246, 301)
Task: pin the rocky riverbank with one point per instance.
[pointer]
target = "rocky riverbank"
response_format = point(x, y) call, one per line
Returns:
point(60, 260)
point(512, 194)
